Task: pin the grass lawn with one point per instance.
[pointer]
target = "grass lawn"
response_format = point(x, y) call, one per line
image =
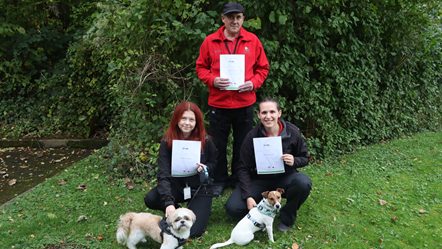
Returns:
point(386, 195)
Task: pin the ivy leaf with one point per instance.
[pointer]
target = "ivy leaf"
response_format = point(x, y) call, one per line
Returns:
point(272, 17)
point(282, 19)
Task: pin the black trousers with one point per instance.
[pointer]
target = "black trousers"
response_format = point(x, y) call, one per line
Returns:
point(297, 188)
point(201, 205)
point(221, 120)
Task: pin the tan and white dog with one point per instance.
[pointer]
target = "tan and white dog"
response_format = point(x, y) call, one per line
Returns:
point(259, 218)
point(133, 227)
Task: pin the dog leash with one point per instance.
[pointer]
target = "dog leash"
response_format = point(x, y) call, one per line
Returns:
point(204, 179)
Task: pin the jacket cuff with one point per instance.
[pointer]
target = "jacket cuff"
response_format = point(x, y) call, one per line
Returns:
point(167, 203)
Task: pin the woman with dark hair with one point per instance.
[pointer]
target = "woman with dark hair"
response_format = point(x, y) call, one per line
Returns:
point(297, 185)
point(187, 124)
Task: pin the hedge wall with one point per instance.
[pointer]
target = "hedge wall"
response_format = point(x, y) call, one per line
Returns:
point(347, 72)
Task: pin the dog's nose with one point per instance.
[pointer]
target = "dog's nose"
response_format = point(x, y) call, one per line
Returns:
point(182, 222)
point(278, 205)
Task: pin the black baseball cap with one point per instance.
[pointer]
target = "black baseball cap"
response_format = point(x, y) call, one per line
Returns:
point(232, 7)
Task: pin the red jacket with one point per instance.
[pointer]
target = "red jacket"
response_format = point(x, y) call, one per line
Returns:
point(208, 68)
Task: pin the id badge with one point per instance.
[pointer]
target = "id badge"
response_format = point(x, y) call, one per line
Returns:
point(187, 194)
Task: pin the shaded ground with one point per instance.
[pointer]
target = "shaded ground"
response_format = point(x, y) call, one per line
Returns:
point(31, 166)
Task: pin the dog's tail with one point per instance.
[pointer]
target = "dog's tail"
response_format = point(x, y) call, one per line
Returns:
point(230, 241)
point(124, 227)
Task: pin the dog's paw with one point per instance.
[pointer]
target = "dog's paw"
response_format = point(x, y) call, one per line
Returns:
point(143, 240)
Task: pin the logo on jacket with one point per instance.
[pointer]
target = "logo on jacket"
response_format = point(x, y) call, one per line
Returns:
point(218, 51)
point(246, 50)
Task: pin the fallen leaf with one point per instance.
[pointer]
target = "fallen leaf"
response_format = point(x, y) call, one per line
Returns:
point(380, 240)
point(382, 202)
point(365, 229)
point(82, 217)
point(328, 175)
point(62, 182)
point(12, 182)
point(99, 237)
point(432, 148)
point(299, 228)
point(105, 203)
point(378, 192)
point(422, 211)
point(89, 236)
point(126, 181)
point(130, 185)
point(394, 218)
point(295, 246)
point(129, 199)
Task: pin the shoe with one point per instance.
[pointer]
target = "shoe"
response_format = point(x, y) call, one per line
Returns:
point(282, 227)
point(218, 190)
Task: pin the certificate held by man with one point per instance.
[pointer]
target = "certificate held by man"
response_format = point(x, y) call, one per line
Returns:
point(268, 153)
point(232, 66)
point(185, 156)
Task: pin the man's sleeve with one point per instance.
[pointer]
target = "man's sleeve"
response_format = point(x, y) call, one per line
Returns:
point(261, 67)
point(203, 65)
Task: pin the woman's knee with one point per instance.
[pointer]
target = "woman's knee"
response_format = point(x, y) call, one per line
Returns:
point(151, 199)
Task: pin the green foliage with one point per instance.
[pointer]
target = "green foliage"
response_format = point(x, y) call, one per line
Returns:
point(347, 72)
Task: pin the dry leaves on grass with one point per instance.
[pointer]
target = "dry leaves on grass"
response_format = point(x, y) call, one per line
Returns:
point(382, 202)
point(62, 182)
point(12, 182)
point(129, 184)
point(295, 246)
point(422, 211)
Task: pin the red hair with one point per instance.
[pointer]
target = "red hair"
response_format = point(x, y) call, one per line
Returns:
point(174, 132)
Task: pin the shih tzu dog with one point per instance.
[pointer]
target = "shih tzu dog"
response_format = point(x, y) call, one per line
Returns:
point(171, 232)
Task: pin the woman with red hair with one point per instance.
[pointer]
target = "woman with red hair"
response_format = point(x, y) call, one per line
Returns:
point(187, 124)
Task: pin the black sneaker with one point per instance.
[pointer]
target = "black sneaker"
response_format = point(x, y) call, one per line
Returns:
point(282, 227)
point(218, 190)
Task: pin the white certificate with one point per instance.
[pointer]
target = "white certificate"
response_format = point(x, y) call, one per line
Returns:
point(268, 153)
point(232, 66)
point(185, 155)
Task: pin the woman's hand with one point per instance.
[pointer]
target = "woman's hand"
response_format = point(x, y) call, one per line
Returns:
point(288, 159)
point(169, 210)
point(200, 165)
point(251, 203)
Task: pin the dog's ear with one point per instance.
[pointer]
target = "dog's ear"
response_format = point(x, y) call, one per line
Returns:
point(280, 190)
point(193, 216)
point(265, 194)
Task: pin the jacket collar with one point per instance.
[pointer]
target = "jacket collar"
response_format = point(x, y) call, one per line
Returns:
point(221, 37)
point(285, 133)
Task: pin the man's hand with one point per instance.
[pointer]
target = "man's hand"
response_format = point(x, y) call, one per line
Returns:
point(251, 203)
point(221, 83)
point(169, 210)
point(246, 87)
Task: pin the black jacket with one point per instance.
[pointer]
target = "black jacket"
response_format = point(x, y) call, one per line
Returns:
point(166, 181)
point(292, 143)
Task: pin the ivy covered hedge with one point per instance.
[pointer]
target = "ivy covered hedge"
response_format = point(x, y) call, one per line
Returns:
point(347, 72)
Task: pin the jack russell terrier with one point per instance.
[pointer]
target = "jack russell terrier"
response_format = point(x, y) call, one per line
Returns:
point(259, 218)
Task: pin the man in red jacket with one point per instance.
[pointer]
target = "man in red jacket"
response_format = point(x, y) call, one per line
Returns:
point(231, 108)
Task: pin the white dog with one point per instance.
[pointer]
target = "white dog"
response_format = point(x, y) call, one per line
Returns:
point(171, 232)
point(259, 218)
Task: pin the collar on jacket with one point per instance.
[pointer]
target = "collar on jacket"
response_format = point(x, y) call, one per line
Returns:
point(285, 133)
point(245, 35)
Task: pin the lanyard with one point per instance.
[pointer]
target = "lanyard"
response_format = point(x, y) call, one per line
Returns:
point(234, 51)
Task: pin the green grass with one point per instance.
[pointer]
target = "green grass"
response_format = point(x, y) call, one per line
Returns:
point(343, 210)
